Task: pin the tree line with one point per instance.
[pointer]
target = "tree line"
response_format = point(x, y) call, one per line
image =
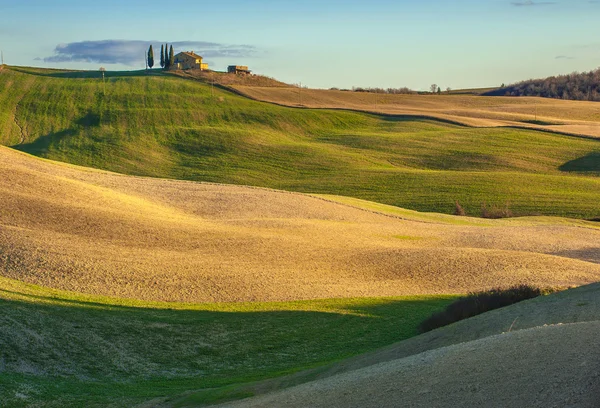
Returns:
point(167, 58)
point(394, 91)
point(584, 86)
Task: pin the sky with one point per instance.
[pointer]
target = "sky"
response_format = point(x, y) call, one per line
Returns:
point(318, 43)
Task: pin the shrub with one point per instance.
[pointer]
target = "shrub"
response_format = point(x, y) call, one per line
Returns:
point(480, 302)
point(495, 212)
point(458, 210)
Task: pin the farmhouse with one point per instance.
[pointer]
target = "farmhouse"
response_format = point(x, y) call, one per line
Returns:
point(189, 60)
point(238, 69)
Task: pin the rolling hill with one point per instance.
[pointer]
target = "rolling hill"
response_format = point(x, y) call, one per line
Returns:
point(102, 233)
point(163, 126)
point(97, 241)
point(118, 289)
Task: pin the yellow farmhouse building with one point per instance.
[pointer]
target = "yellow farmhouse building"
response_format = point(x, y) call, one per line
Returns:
point(189, 60)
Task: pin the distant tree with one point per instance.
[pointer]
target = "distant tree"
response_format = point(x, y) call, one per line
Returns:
point(433, 88)
point(439, 90)
point(448, 89)
point(150, 57)
point(171, 57)
point(502, 86)
point(162, 56)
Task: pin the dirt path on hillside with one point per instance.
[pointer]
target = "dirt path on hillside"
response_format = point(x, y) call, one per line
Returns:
point(14, 115)
point(21, 130)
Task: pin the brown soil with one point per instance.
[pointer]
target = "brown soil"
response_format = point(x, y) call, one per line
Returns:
point(569, 117)
point(226, 79)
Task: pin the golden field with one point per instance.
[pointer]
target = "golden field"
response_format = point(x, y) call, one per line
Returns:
point(97, 232)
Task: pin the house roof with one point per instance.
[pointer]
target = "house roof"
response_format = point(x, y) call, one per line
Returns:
point(191, 54)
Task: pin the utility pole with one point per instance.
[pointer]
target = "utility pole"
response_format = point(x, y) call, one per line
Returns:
point(300, 94)
point(2, 55)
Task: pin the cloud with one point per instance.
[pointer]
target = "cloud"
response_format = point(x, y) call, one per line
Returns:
point(532, 3)
point(564, 57)
point(131, 52)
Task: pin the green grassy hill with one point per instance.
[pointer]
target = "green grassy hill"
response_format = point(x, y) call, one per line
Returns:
point(61, 349)
point(163, 126)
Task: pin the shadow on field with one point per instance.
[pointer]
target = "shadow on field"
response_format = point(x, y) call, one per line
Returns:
point(588, 164)
point(414, 118)
point(539, 122)
point(42, 143)
point(106, 352)
point(588, 255)
point(91, 119)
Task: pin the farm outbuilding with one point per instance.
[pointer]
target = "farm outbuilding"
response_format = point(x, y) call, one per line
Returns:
point(238, 69)
point(189, 60)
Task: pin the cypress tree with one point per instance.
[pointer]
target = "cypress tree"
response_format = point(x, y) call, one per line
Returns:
point(162, 56)
point(171, 57)
point(150, 57)
point(166, 56)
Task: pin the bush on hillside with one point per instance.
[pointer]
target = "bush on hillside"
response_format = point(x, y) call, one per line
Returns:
point(459, 210)
point(480, 302)
point(495, 211)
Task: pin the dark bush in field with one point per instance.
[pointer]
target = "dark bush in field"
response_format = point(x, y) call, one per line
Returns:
point(495, 212)
point(459, 210)
point(481, 302)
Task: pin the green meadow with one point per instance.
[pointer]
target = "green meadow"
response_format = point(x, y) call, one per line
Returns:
point(163, 126)
point(62, 349)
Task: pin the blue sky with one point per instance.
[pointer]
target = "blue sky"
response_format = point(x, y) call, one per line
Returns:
point(327, 43)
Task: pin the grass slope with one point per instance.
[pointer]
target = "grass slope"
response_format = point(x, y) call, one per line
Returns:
point(62, 349)
point(162, 126)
